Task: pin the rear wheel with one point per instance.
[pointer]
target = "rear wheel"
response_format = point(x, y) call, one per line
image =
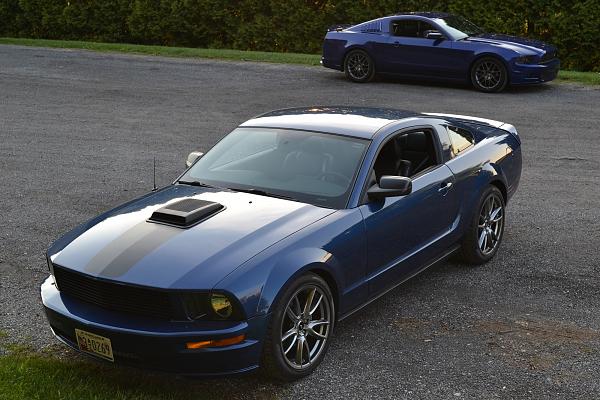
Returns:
point(359, 66)
point(488, 74)
point(484, 234)
point(300, 329)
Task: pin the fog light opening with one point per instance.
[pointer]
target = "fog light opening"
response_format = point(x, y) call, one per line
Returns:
point(215, 343)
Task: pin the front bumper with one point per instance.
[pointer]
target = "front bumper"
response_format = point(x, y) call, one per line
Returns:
point(155, 344)
point(523, 74)
point(329, 63)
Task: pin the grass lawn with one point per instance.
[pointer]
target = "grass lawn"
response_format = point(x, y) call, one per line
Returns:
point(29, 375)
point(58, 373)
point(588, 78)
point(187, 52)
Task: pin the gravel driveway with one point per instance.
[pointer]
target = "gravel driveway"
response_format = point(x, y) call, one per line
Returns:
point(78, 131)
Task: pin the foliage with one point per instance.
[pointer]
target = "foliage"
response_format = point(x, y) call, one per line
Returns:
point(291, 26)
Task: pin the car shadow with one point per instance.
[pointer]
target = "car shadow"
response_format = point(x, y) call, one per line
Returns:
point(421, 82)
point(441, 84)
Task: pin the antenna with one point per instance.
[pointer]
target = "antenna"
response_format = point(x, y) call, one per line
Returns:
point(154, 173)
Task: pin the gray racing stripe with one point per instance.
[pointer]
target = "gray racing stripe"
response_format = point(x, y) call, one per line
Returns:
point(128, 249)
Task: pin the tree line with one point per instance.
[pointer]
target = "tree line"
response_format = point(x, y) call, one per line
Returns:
point(291, 26)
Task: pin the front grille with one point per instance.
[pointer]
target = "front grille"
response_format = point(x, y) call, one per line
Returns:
point(118, 297)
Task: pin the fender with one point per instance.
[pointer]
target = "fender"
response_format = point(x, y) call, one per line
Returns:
point(363, 46)
point(490, 172)
point(294, 265)
point(318, 247)
point(478, 56)
point(486, 173)
point(271, 274)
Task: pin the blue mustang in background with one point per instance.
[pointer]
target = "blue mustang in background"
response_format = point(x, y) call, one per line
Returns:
point(440, 46)
point(292, 222)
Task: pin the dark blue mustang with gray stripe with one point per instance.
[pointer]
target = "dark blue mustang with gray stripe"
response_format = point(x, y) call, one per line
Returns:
point(292, 222)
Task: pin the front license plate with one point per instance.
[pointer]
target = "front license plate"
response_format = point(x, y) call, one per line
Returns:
point(94, 344)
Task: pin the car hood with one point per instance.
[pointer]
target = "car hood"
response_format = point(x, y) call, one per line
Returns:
point(516, 43)
point(122, 245)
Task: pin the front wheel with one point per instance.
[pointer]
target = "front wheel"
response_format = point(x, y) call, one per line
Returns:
point(488, 74)
point(484, 234)
point(300, 329)
point(359, 66)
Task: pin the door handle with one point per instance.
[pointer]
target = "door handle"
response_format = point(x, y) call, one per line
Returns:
point(445, 187)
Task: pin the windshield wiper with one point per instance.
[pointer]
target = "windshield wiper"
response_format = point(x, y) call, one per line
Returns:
point(261, 192)
point(196, 183)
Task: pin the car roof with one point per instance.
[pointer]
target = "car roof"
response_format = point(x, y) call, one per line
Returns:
point(426, 14)
point(359, 122)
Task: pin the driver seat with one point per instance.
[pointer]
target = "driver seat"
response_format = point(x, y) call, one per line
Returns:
point(309, 160)
point(414, 147)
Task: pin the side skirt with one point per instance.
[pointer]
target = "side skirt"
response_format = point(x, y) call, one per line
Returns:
point(445, 255)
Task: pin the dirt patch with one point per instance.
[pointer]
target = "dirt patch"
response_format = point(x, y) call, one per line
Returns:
point(410, 325)
point(538, 345)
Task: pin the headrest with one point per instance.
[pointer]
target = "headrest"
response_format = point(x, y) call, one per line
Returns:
point(312, 145)
point(413, 141)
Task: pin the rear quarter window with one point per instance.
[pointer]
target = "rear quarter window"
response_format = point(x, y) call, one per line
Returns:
point(369, 27)
point(460, 139)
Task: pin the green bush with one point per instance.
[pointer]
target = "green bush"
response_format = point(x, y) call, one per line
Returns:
point(291, 26)
point(104, 21)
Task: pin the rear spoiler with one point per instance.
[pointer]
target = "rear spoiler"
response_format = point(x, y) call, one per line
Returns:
point(496, 124)
point(338, 27)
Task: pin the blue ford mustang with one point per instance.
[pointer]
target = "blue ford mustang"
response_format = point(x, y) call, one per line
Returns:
point(440, 46)
point(292, 222)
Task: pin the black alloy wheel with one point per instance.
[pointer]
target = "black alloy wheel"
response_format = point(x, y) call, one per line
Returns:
point(359, 66)
point(489, 75)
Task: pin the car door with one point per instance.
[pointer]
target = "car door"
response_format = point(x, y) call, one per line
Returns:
point(410, 52)
point(405, 233)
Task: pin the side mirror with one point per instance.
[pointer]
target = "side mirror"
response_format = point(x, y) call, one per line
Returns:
point(390, 186)
point(192, 157)
point(435, 35)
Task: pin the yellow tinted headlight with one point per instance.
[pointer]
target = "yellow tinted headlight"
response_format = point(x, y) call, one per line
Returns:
point(221, 305)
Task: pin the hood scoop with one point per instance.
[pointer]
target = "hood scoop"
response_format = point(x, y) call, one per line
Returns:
point(185, 213)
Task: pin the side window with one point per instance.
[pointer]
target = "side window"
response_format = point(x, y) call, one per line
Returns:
point(425, 28)
point(406, 28)
point(411, 28)
point(407, 154)
point(461, 139)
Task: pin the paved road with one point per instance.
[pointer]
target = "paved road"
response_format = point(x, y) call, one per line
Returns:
point(78, 131)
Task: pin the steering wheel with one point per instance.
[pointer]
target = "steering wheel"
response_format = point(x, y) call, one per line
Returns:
point(337, 177)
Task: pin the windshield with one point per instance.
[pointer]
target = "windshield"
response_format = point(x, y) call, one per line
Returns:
point(459, 27)
point(310, 167)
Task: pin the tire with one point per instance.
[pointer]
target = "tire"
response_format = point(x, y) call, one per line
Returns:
point(359, 66)
point(484, 236)
point(278, 365)
point(488, 74)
